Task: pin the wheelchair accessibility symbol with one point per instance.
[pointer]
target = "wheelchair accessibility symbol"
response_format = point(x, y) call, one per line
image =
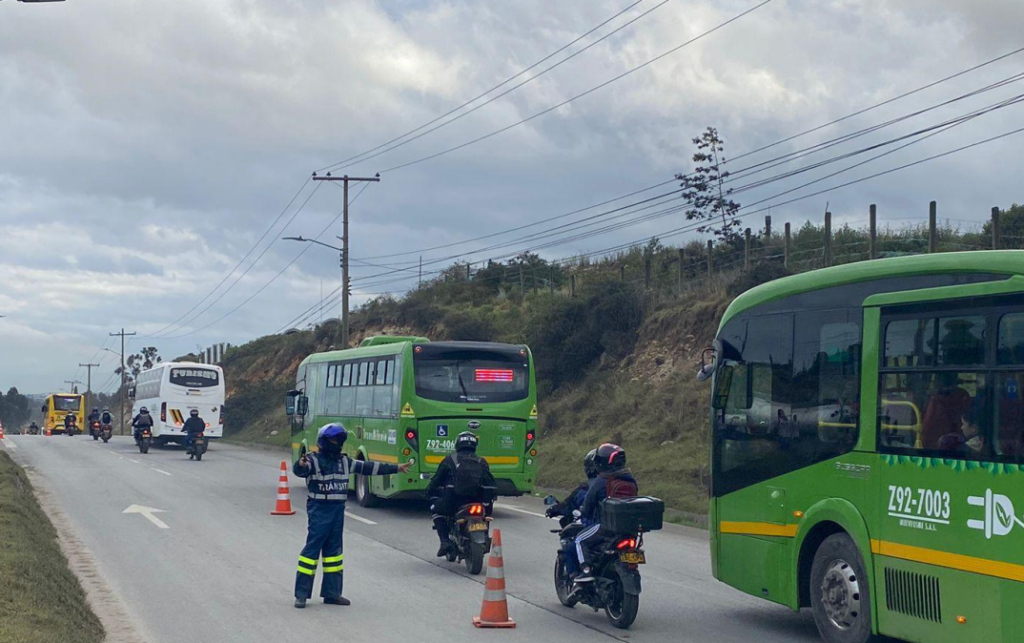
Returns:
point(442, 430)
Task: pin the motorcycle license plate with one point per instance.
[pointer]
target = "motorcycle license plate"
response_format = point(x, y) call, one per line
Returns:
point(478, 526)
point(633, 557)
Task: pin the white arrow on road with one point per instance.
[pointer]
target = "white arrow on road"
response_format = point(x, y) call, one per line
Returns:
point(148, 513)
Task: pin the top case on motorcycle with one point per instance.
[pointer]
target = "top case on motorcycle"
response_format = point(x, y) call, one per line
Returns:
point(630, 515)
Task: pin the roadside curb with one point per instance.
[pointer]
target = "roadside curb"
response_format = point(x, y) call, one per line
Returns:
point(108, 606)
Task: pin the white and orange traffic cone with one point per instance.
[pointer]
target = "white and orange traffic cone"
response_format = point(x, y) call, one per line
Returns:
point(1, 431)
point(49, 432)
point(284, 500)
point(494, 611)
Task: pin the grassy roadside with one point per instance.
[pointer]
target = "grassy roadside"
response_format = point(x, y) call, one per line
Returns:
point(41, 601)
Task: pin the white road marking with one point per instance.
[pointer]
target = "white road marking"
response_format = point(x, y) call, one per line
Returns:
point(161, 471)
point(365, 521)
point(522, 511)
point(10, 445)
point(148, 513)
point(135, 461)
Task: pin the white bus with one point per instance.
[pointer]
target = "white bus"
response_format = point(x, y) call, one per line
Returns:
point(171, 390)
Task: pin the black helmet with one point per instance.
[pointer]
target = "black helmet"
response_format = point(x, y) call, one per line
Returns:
point(466, 442)
point(590, 464)
point(95, 410)
point(144, 411)
point(610, 457)
point(194, 413)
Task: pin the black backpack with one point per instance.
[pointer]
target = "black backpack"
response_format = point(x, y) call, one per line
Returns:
point(470, 476)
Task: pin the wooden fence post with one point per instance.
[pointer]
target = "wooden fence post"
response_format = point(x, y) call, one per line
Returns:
point(746, 249)
point(711, 259)
point(647, 273)
point(828, 239)
point(622, 273)
point(768, 229)
point(682, 257)
point(551, 281)
point(522, 280)
point(787, 245)
point(467, 272)
point(572, 285)
point(933, 232)
point(873, 232)
point(996, 241)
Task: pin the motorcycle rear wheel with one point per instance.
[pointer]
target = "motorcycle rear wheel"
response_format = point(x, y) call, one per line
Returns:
point(475, 558)
point(105, 440)
point(199, 456)
point(623, 612)
point(144, 446)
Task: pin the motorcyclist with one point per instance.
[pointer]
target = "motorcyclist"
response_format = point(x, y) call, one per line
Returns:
point(69, 422)
point(141, 421)
point(106, 418)
point(94, 417)
point(33, 428)
point(613, 480)
point(574, 502)
point(462, 478)
point(193, 426)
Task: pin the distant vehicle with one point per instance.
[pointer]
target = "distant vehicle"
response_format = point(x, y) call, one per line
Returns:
point(58, 405)
point(886, 497)
point(170, 390)
point(404, 399)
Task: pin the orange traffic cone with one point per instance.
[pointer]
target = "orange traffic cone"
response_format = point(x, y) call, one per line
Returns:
point(1, 431)
point(284, 500)
point(49, 432)
point(494, 611)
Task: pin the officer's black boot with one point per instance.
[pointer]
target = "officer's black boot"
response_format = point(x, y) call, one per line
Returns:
point(300, 603)
point(341, 600)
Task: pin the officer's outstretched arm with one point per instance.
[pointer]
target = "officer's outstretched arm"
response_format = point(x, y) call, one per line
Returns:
point(368, 468)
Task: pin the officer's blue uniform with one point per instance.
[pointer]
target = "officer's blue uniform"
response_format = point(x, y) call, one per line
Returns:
point(327, 478)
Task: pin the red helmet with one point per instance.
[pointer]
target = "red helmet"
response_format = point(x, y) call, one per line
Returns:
point(610, 457)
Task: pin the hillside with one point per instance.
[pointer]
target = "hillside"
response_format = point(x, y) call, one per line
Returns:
point(616, 341)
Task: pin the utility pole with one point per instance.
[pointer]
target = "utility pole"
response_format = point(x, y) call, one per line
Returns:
point(72, 383)
point(88, 386)
point(344, 245)
point(122, 335)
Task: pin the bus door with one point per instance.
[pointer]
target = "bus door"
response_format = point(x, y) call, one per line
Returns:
point(950, 542)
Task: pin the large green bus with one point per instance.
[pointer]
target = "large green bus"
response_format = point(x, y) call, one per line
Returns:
point(407, 398)
point(868, 447)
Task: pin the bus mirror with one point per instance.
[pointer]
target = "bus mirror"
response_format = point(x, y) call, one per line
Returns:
point(289, 402)
point(131, 393)
point(43, 409)
point(303, 405)
point(707, 364)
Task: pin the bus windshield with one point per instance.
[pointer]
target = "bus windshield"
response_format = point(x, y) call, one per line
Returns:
point(194, 377)
point(67, 403)
point(460, 373)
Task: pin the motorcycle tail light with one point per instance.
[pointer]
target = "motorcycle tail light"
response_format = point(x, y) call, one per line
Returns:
point(476, 510)
point(626, 543)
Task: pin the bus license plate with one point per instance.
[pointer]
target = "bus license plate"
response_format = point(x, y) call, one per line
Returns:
point(478, 526)
point(633, 557)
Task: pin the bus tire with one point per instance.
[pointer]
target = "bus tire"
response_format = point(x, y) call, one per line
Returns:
point(840, 596)
point(364, 495)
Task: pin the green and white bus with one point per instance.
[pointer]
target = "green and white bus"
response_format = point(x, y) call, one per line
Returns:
point(868, 447)
point(407, 398)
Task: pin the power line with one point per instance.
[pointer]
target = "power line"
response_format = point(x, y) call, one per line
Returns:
point(272, 279)
point(581, 95)
point(781, 159)
point(479, 96)
point(345, 164)
point(181, 325)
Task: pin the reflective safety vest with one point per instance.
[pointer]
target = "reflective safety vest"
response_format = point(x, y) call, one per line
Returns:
point(328, 482)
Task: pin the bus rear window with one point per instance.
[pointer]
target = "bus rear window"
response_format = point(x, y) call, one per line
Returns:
point(194, 377)
point(67, 403)
point(471, 375)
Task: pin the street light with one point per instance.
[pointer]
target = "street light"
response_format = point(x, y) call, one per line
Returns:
point(344, 283)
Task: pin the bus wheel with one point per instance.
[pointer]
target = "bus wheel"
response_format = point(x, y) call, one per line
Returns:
point(839, 592)
point(363, 493)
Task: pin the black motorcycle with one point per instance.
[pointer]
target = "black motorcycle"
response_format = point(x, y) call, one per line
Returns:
point(470, 534)
point(197, 447)
point(616, 555)
point(145, 440)
point(94, 429)
point(106, 432)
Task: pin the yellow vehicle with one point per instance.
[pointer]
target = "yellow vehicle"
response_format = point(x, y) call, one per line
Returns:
point(58, 406)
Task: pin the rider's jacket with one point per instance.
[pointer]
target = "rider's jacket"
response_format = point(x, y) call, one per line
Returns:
point(619, 483)
point(194, 425)
point(327, 475)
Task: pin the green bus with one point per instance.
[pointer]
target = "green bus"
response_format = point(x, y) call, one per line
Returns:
point(407, 398)
point(868, 447)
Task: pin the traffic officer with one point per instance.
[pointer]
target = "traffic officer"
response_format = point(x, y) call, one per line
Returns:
point(327, 474)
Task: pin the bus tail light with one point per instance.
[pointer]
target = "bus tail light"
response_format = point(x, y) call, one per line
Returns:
point(163, 411)
point(412, 439)
point(220, 420)
point(531, 435)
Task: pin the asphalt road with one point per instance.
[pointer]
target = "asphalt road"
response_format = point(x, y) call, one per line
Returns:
point(223, 568)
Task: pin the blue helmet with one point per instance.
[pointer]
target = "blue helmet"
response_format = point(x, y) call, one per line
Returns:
point(330, 438)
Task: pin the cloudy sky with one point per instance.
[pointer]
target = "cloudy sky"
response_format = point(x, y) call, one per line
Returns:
point(145, 147)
